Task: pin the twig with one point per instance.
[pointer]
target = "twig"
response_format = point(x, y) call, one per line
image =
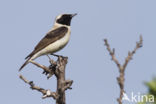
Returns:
point(112, 53)
point(130, 54)
point(46, 93)
point(68, 84)
point(122, 68)
point(46, 70)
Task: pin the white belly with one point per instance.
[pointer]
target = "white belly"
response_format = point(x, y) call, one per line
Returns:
point(54, 47)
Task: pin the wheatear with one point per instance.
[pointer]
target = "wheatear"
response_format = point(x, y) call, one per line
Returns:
point(55, 39)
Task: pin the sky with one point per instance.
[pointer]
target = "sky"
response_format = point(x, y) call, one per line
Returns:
point(24, 22)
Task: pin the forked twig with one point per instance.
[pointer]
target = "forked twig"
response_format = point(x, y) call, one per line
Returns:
point(122, 68)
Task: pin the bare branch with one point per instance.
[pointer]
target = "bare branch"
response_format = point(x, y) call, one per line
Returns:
point(112, 53)
point(46, 93)
point(122, 68)
point(68, 84)
point(58, 69)
point(130, 54)
point(46, 70)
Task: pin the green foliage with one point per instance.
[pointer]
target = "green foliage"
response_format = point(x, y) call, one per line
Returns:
point(152, 87)
point(151, 91)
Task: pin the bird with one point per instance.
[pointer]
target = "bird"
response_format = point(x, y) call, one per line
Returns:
point(55, 40)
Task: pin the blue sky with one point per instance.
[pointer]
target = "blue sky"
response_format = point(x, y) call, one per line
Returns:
point(24, 22)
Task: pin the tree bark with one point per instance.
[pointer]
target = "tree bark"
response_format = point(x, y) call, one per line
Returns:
point(61, 80)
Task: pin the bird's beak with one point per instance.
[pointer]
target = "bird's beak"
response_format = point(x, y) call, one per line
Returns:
point(73, 14)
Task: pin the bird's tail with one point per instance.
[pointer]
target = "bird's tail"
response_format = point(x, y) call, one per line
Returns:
point(26, 62)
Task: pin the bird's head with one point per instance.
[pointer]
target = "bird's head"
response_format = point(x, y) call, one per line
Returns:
point(65, 19)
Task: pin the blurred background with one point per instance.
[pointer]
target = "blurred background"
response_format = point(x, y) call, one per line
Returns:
point(24, 22)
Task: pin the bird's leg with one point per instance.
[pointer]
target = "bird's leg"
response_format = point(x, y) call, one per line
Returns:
point(56, 55)
point(52, 62)
point(48, 57)
point(53, 65)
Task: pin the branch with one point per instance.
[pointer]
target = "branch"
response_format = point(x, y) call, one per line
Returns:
point(130, 54)
point(122, 68)
point(112, 53)
point(68, 84)
point(56, 68)
point(46, 70)
point(46, 93)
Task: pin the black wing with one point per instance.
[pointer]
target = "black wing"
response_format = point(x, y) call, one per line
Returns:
point(51, 37)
